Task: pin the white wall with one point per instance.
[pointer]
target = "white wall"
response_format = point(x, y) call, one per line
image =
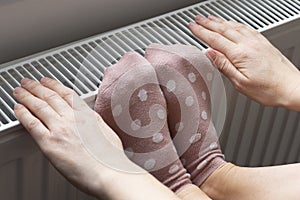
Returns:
point(30, 26)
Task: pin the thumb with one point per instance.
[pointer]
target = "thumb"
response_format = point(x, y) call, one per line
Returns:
point(224, 65)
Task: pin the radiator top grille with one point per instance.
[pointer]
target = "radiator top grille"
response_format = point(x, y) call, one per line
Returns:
point(80, 66)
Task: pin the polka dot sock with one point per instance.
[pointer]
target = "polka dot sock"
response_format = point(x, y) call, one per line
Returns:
point(131, 102)
point(185, 76)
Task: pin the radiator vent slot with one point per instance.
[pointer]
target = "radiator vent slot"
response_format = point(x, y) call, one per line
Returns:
point(78, 68)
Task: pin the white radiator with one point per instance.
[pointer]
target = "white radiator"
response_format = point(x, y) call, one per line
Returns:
point(253, 135)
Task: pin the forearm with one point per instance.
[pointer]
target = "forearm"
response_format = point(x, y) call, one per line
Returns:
point(233, 182)
point(192, 193)
point(123, 186)
point(142, 186)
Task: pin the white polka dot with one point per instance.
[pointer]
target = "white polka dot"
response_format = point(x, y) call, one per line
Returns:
point(179, 127)
point(136, 124)
point(209, 76)
point(117, 110)
point(173, 169)
point(202, 164)
point(204, 115)
point(183, 161)
point(213, 145)
point(171, 85)
point(189, 101)
point(143, 95)
point(192, 77)
point(157, 138)
point(149, 164)
point(129, 152)
point(161, 114)
point(195, 138)
point(203, 94)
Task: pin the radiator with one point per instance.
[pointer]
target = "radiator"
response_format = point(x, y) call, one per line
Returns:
point(253, 135)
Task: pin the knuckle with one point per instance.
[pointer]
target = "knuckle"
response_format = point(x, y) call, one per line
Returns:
point(240, 53)
point(39, 106)
point(238, 85)
point(222, 64)
point(224, 30)
point(235, 24)
point(50, 95)
point(240, 27)
point(67, 93)
point(52, 82)
point(62, 130)
point(33, 124)
point(213, 38)
point(32, 85)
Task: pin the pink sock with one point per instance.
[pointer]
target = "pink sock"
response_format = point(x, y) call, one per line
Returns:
point(131, 103)
point(181, 71)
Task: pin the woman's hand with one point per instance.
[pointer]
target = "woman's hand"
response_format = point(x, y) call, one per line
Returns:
point(80, 145)
point(250, 62)
point(56, 117)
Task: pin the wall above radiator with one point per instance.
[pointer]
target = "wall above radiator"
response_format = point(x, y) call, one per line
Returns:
point(31, 26)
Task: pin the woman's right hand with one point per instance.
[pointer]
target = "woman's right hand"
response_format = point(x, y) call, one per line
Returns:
point(80, 144)
point(253, 65)
point(55, 117)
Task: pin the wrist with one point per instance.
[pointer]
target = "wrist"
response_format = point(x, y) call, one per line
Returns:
point(103, 176)
point(290, 96)
point(220, 183)
point(108, 180)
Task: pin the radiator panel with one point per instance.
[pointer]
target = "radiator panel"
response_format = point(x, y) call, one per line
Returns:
point(253, 135)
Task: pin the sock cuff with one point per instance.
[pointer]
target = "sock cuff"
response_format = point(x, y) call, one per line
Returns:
point(212, 166)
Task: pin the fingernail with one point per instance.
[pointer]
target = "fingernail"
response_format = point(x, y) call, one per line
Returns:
point(193, 24)
point(45, 80)
point(17, 106)
point(200, 18)
point(18, 90)
point(25, 81)
point(212, 55)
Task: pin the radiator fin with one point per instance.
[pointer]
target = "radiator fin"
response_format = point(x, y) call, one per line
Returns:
point(81, 65)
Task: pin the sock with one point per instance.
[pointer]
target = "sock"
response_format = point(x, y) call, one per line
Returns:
point(131, 103)
point(185, 75)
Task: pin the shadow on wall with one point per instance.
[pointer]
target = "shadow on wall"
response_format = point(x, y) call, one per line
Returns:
point(31, 26)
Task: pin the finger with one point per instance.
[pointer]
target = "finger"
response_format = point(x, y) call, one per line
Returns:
point(38, 107)
point(63, 91)
point(213, 39)
point(219, 26)
point(33, 125)
point(46, 94)
point(218, 19)
point(225, 66)
point(247, 32)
